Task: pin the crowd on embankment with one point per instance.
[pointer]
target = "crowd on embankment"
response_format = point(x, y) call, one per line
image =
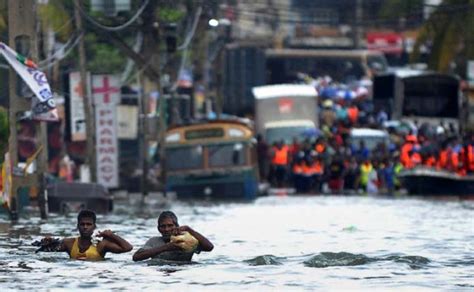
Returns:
point(330, 162)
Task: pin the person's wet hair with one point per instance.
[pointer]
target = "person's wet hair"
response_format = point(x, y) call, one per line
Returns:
point(168, 214)
point(86, 214)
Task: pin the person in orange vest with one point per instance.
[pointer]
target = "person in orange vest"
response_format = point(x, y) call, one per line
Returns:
point(320, 146)
point(429, 160)
point(280, 162)
point(353, 114)
point(415, 157)
point(468, 157)
point(307, 174)
point(443, 156)
point(297, 173)
point(317, 172)
point(410, 140)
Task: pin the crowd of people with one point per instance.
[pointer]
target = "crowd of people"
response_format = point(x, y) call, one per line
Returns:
point(331, 162)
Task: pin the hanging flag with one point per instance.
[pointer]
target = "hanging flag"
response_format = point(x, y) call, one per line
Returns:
point(44, 108)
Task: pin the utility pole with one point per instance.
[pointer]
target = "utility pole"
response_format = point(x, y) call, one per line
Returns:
point(357, 28)
point(22, 37)
point(90, 129)
point(143, 133)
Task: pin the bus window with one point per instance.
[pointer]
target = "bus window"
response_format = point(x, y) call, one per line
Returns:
point(188, 157)
point(227, 155)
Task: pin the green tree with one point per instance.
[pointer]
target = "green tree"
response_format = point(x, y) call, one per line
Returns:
point(450, 30)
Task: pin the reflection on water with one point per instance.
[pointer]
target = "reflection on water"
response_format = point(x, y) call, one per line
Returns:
point(296, 242)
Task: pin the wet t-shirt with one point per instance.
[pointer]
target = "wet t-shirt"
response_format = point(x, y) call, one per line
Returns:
point(168, 255)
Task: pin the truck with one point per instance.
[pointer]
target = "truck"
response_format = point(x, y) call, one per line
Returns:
point(285, 111)
point(420, 97)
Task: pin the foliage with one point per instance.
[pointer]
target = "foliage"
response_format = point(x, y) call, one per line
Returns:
point(103, 57)
point(55, 16)
point(400, 8)
point(3, 16)
point(450, 29)
point(169, 14)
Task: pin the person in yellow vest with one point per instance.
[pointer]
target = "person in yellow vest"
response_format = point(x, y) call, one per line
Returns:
point(365, 170)
point(82, 247)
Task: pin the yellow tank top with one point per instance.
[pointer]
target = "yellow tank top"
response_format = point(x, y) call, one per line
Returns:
point(91, 254)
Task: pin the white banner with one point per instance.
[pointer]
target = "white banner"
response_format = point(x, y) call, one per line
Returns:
point(76, 107)
point(127, 118)
point(106, 144)
point(44, 108)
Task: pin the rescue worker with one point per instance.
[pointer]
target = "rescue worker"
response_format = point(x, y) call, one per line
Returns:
point(280, 161)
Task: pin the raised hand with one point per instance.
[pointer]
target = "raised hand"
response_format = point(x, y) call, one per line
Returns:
point(105, 234)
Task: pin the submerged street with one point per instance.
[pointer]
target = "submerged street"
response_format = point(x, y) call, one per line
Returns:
point(287, 242)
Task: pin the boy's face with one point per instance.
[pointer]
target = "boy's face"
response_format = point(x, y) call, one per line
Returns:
point(86, 227)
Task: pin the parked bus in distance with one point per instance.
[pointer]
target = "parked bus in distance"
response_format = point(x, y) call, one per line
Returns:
point(420, 97)
point(215, 159)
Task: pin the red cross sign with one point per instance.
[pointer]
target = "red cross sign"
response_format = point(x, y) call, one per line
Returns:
point(102, 94)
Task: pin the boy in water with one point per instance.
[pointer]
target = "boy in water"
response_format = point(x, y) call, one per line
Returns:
point(162, 247)
point(82, 248)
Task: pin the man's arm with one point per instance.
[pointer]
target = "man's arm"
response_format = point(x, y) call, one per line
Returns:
point(49, 244)
point(113, 243)
point(146, 253)
point(204, 243)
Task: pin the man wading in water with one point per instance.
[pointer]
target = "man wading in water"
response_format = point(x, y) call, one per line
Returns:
point(82, 248)
point(176, 243)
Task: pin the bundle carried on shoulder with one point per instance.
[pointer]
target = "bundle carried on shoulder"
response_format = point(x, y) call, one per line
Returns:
point(186, 241)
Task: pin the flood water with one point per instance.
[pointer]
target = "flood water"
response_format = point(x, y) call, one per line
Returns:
point(273, 243)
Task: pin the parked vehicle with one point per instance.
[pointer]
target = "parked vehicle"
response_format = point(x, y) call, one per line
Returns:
point(64, 197)
point(215, 159)
point(370, 137)
point(284, 111)
point(419, 97)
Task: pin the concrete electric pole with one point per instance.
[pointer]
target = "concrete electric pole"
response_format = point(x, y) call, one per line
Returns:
point(22, 38)
point(88, 110)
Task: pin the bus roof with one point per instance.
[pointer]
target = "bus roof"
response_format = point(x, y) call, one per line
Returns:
point(284, 90)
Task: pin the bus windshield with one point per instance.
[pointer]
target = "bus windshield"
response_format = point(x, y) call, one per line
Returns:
point(187, 157)
point(227, 155)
